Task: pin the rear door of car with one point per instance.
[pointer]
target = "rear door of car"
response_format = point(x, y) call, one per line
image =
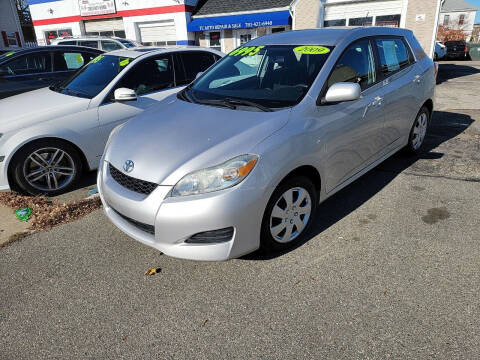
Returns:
point(25, 72)
point(191, 63)
point(402, 86)
point(67, 62)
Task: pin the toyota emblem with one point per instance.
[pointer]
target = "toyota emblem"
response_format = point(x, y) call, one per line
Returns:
point(128, 166)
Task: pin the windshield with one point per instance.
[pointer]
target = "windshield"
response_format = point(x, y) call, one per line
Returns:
point(273, 76)
point(93, 78)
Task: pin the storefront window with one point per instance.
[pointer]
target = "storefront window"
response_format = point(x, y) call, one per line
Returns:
point(388, 21)
point(278, 29)
point(215, 41)
point(364, 21)
point(53, 34)
point(338, 22)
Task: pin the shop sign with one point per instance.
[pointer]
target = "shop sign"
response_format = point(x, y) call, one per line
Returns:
point(97, 7)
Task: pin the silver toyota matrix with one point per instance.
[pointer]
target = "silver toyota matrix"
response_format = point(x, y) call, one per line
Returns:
point(241, 158)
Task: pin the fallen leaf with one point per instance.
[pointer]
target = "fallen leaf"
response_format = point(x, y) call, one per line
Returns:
point(204, 322)
point(152, 271)
point(298, 282)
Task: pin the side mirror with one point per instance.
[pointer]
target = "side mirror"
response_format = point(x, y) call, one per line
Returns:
point(198, 75)
point(342, 91)
point(124, 94)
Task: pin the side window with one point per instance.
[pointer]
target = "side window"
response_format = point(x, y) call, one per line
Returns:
point(193, 63)
point(355, 65)
point(393, 55)
point(152, 74)
point(29, 64)
point(89, 43)
point(110, 45)
point(65, 61)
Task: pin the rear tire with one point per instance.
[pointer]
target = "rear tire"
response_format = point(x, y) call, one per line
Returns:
point(289, 214)
point(418, 131)
point(48, 167)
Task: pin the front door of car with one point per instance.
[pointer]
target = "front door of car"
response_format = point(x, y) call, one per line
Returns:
point(351, 131)
point(153, 79)
point(403, 87)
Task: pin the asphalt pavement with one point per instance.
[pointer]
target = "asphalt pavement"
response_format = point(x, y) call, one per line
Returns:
point(391, 271)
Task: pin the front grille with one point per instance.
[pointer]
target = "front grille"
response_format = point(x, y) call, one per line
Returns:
point(139, 225)
point(133, 184)
point(211, 237)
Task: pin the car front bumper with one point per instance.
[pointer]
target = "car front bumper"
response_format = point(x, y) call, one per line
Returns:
point(4, 186)
point(174, 220)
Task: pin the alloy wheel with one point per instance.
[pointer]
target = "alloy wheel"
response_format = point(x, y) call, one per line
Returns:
point(290, 214)
point(419, 130)
point(49, 169)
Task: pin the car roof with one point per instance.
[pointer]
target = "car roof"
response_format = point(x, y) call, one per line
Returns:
point(90, 37)
point(141, 51)
point(325, 36)
point(24, 51)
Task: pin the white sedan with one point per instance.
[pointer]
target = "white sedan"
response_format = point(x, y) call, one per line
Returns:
point(48, 137)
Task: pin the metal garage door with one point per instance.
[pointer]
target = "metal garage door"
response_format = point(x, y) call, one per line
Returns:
point(107, 27)
point(160, 33)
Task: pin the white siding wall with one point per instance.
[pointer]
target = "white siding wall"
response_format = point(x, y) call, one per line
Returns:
point(455, 16)
point(341, 9)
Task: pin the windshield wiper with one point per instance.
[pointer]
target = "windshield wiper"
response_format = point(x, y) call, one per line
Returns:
point(246, 103)
point(216, 103)
point(76, 93)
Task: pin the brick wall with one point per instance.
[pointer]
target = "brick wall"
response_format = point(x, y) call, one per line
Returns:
point(423, 30)
point(306, 14)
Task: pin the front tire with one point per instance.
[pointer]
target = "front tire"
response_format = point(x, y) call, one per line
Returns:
point(48, 167)
point(289, 214)
point(419, 131)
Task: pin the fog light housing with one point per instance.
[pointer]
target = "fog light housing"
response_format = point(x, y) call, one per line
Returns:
point(212, 237)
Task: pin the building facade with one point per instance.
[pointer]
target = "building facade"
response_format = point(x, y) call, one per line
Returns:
point(10, 28)
point(153, 22)
point(458, 15)
point(224, 24)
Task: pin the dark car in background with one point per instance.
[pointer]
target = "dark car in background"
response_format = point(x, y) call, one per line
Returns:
point(30, 69)
point(457, 49)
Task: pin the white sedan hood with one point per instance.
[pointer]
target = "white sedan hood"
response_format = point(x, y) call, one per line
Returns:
point(30, 108)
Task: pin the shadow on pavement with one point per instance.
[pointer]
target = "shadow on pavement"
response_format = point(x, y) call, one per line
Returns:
point(452, 71)
point(444, 126)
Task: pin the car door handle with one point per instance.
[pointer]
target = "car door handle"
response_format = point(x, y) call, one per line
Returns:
point(377, 101)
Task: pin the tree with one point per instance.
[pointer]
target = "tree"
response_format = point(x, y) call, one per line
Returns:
point(454, 31)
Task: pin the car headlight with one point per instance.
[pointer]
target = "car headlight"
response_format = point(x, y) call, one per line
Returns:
point(220, 177)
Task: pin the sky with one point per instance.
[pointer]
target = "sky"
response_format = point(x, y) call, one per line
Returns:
point(477, 4)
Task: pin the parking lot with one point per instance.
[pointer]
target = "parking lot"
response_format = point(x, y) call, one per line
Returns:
point(389, 271)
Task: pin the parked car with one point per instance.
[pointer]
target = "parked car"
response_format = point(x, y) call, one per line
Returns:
point(31, 69)
point(104, 43)
point(440, 51)
point(50, 135)
point(241, 158)
point(457, 50)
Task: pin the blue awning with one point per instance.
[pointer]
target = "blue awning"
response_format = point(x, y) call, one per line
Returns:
point(243, 21)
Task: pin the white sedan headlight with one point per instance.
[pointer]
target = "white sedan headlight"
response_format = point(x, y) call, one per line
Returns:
point(220, 177)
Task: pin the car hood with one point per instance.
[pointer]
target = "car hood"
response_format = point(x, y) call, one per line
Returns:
point(175, 138)
point(33, 107)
